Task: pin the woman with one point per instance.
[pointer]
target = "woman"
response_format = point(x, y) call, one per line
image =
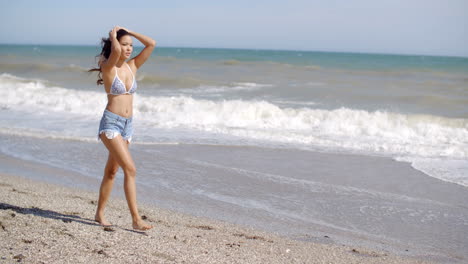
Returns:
point(117, 72)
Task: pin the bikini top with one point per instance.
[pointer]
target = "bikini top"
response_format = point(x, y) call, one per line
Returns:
point(118, 86)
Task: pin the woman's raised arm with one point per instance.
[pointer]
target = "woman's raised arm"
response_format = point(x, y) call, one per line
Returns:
point(146, 52)
point(115, 50)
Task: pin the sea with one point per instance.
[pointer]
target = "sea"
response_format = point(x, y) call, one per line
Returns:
point(409, 108)
point(213, 102)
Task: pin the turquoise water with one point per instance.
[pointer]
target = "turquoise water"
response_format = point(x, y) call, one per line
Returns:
point(323, 59)
point(371, 82)
point(335, 60)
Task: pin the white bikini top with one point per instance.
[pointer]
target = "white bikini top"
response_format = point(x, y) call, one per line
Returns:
point(118, 86)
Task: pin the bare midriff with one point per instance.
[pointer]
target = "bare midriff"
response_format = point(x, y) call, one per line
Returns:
point(121, 105)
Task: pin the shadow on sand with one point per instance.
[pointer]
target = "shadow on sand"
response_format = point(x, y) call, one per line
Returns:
point(67, 218)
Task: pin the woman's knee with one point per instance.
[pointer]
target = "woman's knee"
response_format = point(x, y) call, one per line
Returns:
point(130, 170)
point(111, 172)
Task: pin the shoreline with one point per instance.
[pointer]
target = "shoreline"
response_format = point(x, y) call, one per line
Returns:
point(355, 201)
point(43, 223)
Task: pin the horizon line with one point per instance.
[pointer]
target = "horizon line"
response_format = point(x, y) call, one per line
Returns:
point(260, 49)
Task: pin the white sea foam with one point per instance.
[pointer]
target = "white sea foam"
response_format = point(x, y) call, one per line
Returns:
point(222, 89)
point(315, 84)
point(293, 103)
point(378, 131)
point(421, 137)
point(250, 84)
point(450, 170)
point(20, 93)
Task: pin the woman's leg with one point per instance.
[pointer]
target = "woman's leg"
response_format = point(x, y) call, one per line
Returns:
point(118, 148)
point(106, 188)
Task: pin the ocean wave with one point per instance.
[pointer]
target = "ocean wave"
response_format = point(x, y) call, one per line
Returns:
point(380, 132)
point(450, 170)
point(296, 104)
point(250, 85)
point(75, 68)
point(231, 62)
point(223, 89)
point(183, 81)
point(21, 93)
point(39, 67)
point(41, 134)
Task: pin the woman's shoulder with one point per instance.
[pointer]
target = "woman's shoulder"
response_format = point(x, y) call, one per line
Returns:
point(131, 64)
point(105, 65)
point(108, 71)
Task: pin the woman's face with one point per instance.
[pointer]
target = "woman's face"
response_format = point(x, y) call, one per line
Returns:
point(126, 44)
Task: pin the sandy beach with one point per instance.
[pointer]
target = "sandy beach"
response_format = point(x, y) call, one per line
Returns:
point(242, 156)
point(45, 223)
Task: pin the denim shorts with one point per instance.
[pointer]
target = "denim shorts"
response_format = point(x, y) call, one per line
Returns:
point(113, 125)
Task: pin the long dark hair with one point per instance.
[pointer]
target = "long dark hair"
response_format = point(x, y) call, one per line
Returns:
point(105, 53)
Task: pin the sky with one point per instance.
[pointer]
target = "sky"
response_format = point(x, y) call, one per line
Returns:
point(421, 27)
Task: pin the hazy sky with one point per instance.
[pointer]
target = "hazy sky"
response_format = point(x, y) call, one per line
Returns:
point(433, 27)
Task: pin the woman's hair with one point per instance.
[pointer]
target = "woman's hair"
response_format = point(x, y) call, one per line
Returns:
point(105, 53)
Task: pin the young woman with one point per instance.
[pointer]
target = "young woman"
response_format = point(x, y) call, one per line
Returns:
point(117, 72)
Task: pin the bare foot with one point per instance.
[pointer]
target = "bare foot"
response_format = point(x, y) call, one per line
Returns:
point(141, 225)
point(102, 220)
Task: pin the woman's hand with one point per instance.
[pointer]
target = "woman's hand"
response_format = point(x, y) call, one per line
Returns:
point(113, 33)
point(115, 50)
point(147, 50)
point(128, 30)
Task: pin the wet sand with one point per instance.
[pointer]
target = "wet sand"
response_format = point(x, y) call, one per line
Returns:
point(46, 223)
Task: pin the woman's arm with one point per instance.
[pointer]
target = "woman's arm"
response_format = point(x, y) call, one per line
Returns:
point(146, 52)
point(115, 50)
